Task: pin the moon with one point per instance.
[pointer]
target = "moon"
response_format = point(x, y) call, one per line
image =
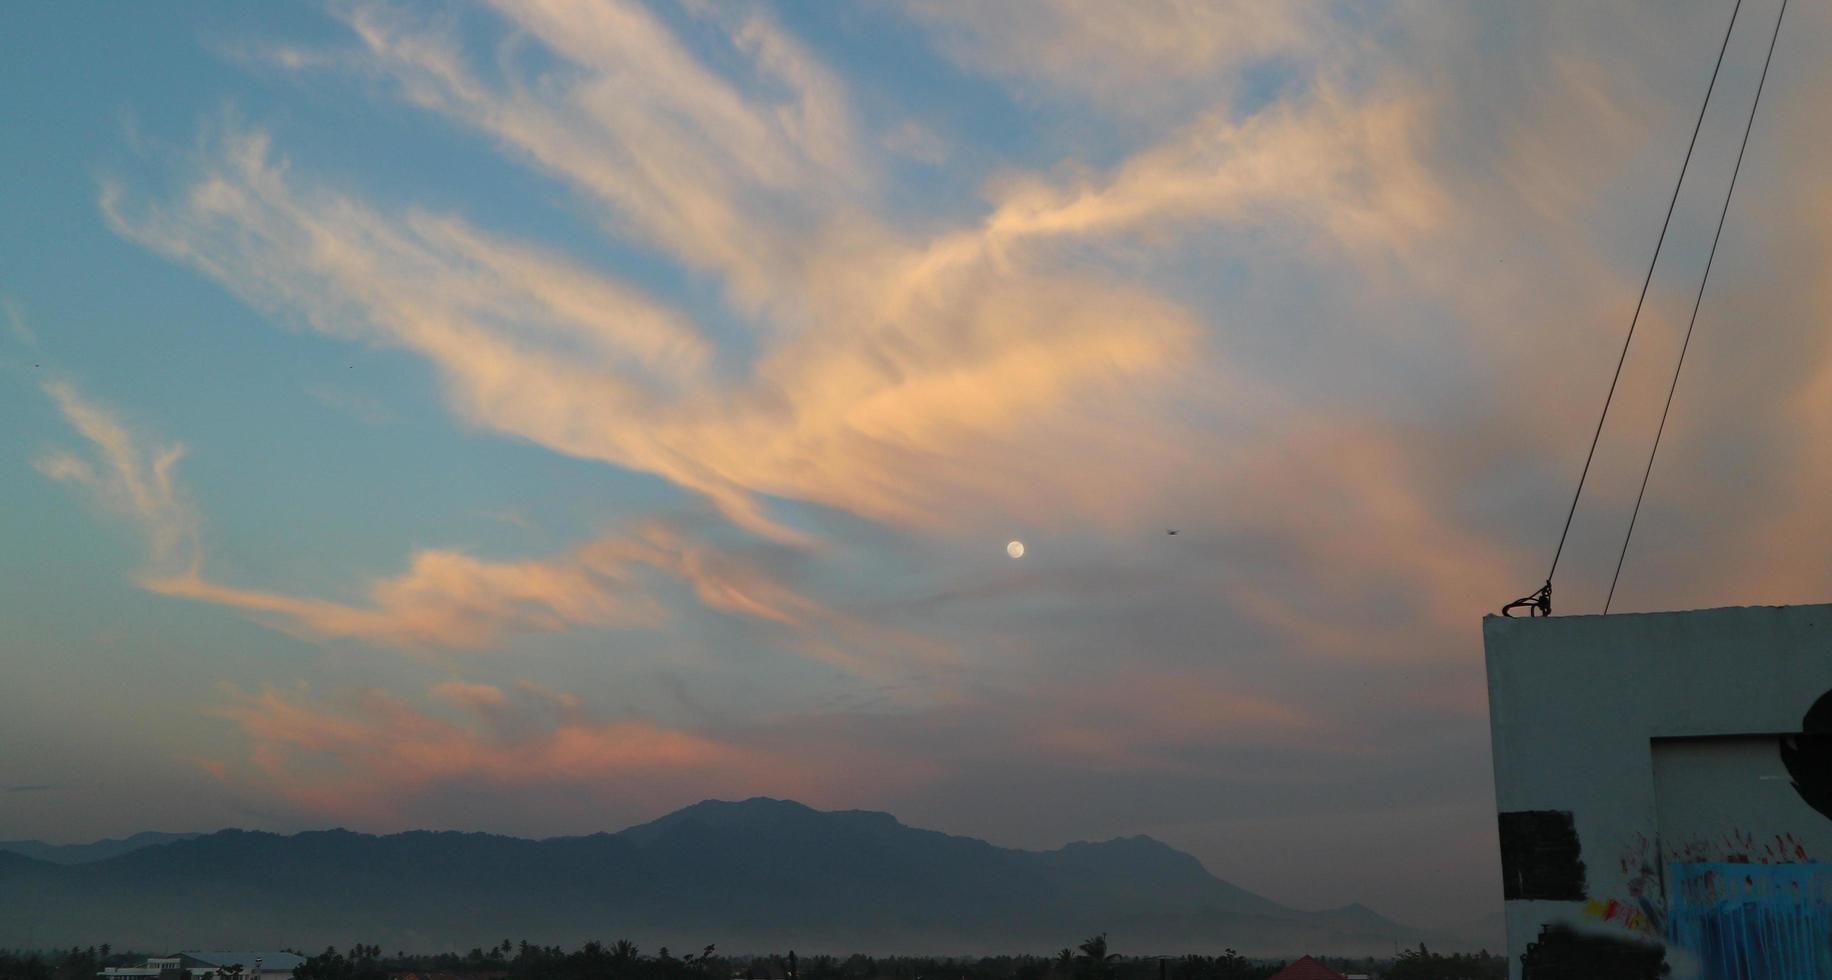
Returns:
point(1015, 549)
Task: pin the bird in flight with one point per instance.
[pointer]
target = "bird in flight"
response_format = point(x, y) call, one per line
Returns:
point(1170, 531)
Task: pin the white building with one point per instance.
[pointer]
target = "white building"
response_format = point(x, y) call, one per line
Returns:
point(201, 964)
point(1665, 788)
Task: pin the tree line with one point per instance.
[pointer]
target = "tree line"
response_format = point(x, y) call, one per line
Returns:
point(623, 960)
point(1092, 959)
point(75, 963)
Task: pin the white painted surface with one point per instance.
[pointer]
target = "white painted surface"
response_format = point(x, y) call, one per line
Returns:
point(1577, 704)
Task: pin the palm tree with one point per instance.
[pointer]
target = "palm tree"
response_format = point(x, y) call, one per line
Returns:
point(1095, 963)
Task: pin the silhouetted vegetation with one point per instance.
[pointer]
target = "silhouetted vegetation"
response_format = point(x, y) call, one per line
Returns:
point(1228, 966)
point(622, 961)
point(1095, 963)
point(1092, 959)
point(62, 964)
point(1422, 964)
point(363, 962)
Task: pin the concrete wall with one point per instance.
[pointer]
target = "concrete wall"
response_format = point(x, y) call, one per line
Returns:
point(1664, 784)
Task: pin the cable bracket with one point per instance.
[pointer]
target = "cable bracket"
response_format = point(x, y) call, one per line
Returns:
point(1538, 604)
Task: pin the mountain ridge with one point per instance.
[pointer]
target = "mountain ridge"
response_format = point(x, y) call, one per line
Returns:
point(758, 874)
point(93, 850)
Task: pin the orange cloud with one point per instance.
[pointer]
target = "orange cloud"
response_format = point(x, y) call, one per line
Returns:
point(919, 381)
point(378, 758)
point(935, 383)
point(449, 600)
point(452, 600)
point(949, 366)
point(1356, 508)
point(1124, 58)
point(375, 756)
point(956, 378)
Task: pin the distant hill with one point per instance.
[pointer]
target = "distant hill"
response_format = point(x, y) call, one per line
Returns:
point(752, 876)
point(82, 853)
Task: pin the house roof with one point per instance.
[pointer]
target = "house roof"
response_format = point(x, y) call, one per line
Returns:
point(271, 960)
point(1307, 969)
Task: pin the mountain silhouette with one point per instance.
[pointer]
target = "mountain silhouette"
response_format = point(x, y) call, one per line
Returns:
point(96, 851)
point(756, 875)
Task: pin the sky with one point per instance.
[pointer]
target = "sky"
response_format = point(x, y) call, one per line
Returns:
point(536, 417)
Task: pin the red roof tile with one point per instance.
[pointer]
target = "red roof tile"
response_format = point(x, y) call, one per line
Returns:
point(1307, 969)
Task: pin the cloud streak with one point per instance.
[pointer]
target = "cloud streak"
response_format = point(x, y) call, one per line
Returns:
point(885, 408)
point(1130, 60)
point(127, 478)
point(375, 757)
point(449, 600)
point(907, 380)
point(709, 168)
point(944, 382)
point(388, 759)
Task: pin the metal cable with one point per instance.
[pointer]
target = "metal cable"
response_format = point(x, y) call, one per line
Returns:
point(1698, 301)
point(1541, 602)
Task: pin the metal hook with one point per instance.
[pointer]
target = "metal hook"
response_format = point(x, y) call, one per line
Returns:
point(1539, 602)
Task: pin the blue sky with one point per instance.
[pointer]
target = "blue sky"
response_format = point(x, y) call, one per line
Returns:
point(534, 418)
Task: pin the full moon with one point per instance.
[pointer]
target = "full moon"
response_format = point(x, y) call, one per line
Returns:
point(1015, 549)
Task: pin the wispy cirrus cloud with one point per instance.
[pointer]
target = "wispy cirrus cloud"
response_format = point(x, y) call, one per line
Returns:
point(884, 408)
point(16, 321)
point(728, 174)
point(925, 381)
point(917, 381)
point(899, 378)
point(1130, 59)
point(449, 600)
point(128, 478)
